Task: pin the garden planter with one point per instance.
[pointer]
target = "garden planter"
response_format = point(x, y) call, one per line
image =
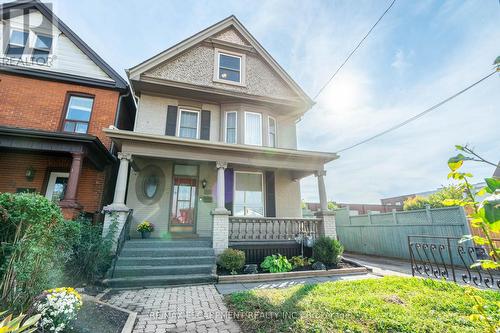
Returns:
point(145, 234)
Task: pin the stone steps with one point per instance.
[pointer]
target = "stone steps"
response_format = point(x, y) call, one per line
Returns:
point(157, 262)
point(158, 281)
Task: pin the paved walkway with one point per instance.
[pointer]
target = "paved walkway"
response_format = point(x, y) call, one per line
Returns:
point(382, 265)
point(229, 288)
point(197, 309)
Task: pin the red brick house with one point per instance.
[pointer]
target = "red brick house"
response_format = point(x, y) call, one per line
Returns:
point(56, 96)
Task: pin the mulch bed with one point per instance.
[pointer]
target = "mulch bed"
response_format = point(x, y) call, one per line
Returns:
point(342, 264)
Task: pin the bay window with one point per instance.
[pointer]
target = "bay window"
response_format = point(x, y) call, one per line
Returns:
point(248, 194)
point(231, 130)
point(253, 128)
point(272, 131)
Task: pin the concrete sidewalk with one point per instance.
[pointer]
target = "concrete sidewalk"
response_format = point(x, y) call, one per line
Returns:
point(382, 266)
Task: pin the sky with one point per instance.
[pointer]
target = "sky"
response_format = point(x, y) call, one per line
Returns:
point(421, 53)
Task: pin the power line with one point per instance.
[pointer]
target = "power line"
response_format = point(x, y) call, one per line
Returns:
point(418, 115)
point(353, 51)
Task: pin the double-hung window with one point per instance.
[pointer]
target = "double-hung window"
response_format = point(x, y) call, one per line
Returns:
point(78, 114)
point(17, 43)
point(229, 67)
point(189, 124)
point(41, 49)
point(231, 127)
point(248, 194)
point(253, 128)
point(272, 131)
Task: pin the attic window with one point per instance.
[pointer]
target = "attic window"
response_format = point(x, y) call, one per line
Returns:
point(17, 43)
point(229, 67)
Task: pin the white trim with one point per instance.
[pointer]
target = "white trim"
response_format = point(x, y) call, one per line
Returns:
point(262, 189)
point(178, 125)
point(52, 181)
point(242, 58)
point(235, 128)
point(269, 132)
point(245, 129)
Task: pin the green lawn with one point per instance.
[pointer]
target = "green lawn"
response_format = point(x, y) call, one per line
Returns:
point(390, 304)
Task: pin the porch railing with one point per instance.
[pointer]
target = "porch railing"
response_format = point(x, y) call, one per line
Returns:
point(270, 228)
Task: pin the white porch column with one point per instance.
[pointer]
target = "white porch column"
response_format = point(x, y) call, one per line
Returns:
point(117, 212)
point(221, 167)
point(327, 225)
point(121, 179)
point(320, 174)
point(220, 215)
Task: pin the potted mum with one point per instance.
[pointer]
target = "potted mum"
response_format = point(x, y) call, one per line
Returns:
point(145, 228)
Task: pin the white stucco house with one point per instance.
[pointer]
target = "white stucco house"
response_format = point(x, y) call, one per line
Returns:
point(213, 155)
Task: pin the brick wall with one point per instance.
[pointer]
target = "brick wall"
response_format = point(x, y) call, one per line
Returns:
point(90, 187)
point(39, 104)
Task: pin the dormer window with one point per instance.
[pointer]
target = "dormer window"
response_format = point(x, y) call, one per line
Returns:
point(229, 67)
point(17, 44)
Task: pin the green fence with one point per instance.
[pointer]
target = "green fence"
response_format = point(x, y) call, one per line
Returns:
point(387, 234)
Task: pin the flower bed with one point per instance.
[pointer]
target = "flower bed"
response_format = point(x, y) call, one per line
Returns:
point(345, 267)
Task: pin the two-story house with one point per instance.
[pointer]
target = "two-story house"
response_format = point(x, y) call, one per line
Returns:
point(56, 96)
point(213, 152)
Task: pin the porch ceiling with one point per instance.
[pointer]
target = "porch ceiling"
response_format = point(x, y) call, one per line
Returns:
point(302, 162)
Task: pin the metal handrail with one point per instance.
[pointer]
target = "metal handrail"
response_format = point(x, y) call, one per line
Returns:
point(124, 235)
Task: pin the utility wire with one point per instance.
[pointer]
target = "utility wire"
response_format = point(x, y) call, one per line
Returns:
point(418, 115)
point(354, 50)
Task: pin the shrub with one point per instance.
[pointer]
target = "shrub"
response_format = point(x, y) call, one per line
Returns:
point(327, 250)
point(36, 242)
point(58, 308)
point(276, 264)
point(232, 260)
point(299, 261)
point(455, 192)
point(416, 202)
point(91, 255)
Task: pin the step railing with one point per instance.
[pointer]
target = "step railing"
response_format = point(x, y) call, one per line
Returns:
point(124, 235)
point(271, 228)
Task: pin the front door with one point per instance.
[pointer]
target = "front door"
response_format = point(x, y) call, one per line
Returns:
point(56, 186)
point(183, 203)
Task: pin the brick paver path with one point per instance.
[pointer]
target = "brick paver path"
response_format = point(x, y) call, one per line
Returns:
point(181, 309)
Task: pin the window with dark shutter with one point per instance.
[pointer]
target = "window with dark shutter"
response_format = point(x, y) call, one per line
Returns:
point(270, 195)
point(171, 120)
point(228, 190)
point(205, 125)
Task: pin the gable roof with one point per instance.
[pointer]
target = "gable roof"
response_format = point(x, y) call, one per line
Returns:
point(199, 37)
point(119, 82)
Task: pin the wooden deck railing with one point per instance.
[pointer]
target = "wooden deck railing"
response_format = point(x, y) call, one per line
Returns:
point(270, 228)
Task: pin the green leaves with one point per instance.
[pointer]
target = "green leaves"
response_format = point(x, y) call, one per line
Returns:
point(276, 264)
point(493, 184)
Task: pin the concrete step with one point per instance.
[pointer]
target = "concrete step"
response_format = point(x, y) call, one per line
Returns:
point(142, 271)
point(165, 261)
point(161, 280)
point(161, 244)
point(166, 252)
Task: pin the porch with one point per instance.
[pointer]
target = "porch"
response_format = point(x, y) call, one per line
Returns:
point(235, 195)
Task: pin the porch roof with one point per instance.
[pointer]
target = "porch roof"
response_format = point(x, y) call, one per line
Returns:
point(151, 145)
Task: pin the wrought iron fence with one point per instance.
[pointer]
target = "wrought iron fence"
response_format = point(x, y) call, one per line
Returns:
point(449, 259)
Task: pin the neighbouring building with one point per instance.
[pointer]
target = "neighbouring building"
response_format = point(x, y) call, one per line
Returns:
point(213, 153)
point(56, 96)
